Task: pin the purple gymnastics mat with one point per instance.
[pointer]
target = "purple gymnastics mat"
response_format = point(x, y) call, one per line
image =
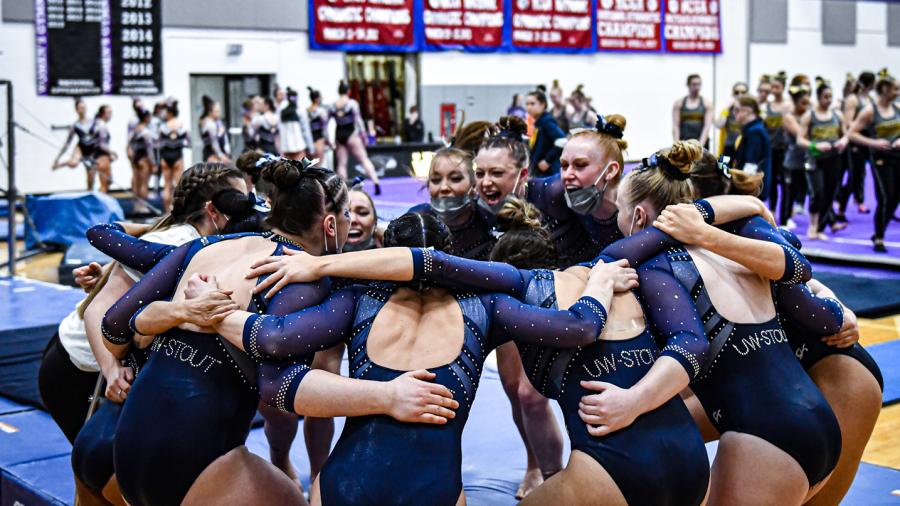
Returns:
point(854, 242)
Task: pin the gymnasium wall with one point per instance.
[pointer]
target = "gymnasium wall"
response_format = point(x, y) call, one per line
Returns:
point(804, 51)
point(642, 87)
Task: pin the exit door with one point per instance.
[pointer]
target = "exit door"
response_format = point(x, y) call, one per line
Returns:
point(230, 91)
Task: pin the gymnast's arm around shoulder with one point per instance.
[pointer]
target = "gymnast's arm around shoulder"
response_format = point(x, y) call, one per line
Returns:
point(752, 242)
point(391, 264)
point(681, 359)
point(411, 397)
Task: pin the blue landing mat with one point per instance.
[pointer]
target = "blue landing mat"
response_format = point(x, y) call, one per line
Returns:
point(34, 458)
point(63, 218)
point(42, 482)
point(8, 407)
point(30, 436)
point(30, 312)
point(874, 486)
point(867, 296)
point(887, 355)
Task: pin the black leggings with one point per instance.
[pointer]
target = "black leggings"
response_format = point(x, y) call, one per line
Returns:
point(857, 156)
point(823, 183)
point(793, 183)
point(886, 170)
point(65, 389)
point(777, 178)
point(800, 189)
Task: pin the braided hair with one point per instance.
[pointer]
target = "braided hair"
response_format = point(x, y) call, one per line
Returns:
point(417, 230)
point(302, 194)
point(711, 177)
point(197, 186)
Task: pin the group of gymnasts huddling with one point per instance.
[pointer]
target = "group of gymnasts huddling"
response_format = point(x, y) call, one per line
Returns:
point(808, 142)
point(156, 140)
point(660, 308)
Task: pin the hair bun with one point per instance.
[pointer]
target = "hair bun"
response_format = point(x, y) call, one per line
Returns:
point(282, 174)
point(513, 127)
point(517, 213)
point(615, 129)
point(683, 154)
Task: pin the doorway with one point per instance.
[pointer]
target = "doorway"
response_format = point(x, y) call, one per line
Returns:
point(230, 91)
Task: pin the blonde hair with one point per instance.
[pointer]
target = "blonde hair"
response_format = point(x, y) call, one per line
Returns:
point(663, 187)
point(610, 145)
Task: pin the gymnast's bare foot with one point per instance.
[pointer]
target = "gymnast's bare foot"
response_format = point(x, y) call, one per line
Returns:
point(532, 480)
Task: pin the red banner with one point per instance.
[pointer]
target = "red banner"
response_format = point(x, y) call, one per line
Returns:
point(469, 24)
point(553, 25)
point(361, 23)
point(628, 25)
point(692, 26)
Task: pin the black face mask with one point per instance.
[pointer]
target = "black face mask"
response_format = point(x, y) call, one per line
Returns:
point(585, 201)
point(494, 209)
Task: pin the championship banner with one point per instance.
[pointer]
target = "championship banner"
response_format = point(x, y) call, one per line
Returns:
point(136, 47)
point(469, 25)
point(94, 47)
point(693, 26)
point(363, 25)
point(74, 47)
point(629, 25)
point(553, 26)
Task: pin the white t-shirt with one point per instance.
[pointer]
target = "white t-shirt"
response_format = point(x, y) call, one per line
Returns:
point(175, 236)
point(74, 339)
point(72, 335)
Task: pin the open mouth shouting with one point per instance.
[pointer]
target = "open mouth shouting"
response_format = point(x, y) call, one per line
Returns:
point(355, 234)
point(491, 197)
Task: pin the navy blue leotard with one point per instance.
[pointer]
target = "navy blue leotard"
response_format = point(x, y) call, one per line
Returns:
point(809, 350)
point(92, 451)
point(377, 459)
point(473, 239)
point(748, 381)
point(202, 385)
point(577, 238)
point(639, 457)
point(556, 373)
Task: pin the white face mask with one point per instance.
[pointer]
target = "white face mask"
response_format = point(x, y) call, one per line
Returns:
point(633, 221)
point(212, 218)
point(337, 249)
